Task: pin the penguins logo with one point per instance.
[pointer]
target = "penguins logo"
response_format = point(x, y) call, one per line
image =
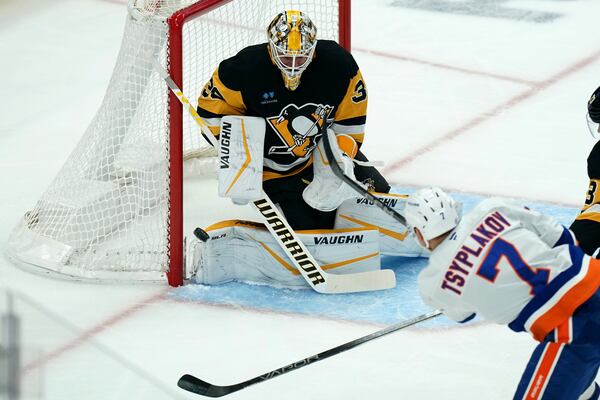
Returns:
point(299, 128)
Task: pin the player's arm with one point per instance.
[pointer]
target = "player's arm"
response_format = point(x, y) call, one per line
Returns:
point(545, 227)
point(218, 99)
point(326, 192)
point(350, 119)
point(592, 196)
point(587, 231)
point(351, 113)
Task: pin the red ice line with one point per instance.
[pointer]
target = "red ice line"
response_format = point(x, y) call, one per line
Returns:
point(487, 115)
point(84, 336)
point(447, 67)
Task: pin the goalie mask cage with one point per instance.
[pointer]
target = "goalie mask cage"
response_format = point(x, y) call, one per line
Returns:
point(115, 210)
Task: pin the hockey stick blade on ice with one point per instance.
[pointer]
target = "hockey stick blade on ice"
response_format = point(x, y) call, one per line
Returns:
point(198, 386)
point(337, 171)
point(304, 262)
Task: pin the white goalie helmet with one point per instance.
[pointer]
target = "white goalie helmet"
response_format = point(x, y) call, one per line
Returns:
point(432, 211)
point(292, 41)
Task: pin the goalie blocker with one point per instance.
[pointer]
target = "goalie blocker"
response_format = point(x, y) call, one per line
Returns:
point(246, 251)
point(241, 158)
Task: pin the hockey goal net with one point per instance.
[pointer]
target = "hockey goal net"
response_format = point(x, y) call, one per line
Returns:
point(114, 211)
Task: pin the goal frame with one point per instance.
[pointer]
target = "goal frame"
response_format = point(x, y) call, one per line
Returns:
point(176, 22)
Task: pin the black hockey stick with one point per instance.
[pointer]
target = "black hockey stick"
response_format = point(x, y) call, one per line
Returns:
point(198, 386)
point(337, 170)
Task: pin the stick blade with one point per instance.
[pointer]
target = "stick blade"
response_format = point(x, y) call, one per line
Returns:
point(198, 386)
point(361, 281)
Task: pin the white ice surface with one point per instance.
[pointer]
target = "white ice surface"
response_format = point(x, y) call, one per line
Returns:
point(480, 105)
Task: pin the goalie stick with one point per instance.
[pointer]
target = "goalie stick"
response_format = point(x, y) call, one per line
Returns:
point(337, 171)
point(303, 261)
point(198, 386)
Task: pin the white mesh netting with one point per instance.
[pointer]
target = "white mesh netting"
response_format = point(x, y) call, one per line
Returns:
point(107, 214)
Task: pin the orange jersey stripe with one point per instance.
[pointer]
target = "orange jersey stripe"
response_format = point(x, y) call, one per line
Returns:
point(569, 302)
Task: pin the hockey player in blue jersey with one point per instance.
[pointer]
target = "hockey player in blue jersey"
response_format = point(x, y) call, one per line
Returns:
point(587, 224)
point(515, 266)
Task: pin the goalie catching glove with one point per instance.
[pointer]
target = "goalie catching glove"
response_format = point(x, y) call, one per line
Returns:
point(326, 191)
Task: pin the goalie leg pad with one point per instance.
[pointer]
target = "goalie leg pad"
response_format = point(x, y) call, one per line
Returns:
point(247, 252)
point(395, 239)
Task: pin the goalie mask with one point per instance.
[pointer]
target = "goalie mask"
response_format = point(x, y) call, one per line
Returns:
point(593, 115)
point(292, 41)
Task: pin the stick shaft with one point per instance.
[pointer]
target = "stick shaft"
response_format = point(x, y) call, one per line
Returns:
point(196, 385)
point(186, 103)
point(358, 188)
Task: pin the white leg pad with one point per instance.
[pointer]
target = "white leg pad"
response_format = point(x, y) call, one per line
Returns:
point(242, 251)
point(394, 237)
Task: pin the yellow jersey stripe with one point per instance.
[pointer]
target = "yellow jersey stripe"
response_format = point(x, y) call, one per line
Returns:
point(229, 102)
point(353, 105)
point(592, 216)
point(268, 175)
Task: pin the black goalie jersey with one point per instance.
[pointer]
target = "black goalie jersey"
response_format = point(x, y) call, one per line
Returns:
point(587, 224)
point(331, 91)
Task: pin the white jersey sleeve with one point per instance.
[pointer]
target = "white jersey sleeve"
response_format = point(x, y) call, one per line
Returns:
point(509, 265)
point(545, 227)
